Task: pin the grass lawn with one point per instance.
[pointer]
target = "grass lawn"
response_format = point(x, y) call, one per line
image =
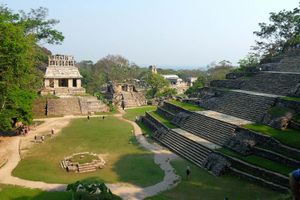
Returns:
point(288, 137)
point(81, 159)
point(9, 192)
point(291, 98)
point(162, 119)
point(204, 186)
point(187, 106)
point(133, 112)
point(125, 161)
point(259, 161)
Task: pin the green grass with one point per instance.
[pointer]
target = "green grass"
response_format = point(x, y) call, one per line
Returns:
point(204, 186)
point(9, 192)
point(110, 137)
point(81, 159)
point(162, 119)
point(291, 98)
point(133, 112)
point(259, 161)
point(187, 106)
point(279, 111)
point(288, 137)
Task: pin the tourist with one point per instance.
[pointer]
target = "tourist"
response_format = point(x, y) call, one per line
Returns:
point(295, 184)
point(52, 131)
point(103, 117)
point(43, 138)
point(25, 130)
point(123, 105)
point(88, 117)
point(35, 138)
point(188, 172)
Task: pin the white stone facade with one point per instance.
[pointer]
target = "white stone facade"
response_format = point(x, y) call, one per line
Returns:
point(62, 77)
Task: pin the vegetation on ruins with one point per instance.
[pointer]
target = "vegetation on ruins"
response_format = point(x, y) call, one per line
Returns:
point(162, 119)
point(187, 106)
point(19, 51)
point(127, 163)
point(91, 190)
point(288, 137)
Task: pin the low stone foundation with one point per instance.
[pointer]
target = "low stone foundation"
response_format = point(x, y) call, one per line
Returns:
point(71, 166)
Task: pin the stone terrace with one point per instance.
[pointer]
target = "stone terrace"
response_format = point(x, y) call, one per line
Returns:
point(241, 105)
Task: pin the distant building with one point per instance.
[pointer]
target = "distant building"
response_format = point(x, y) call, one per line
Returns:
point(173, 79)
point(191, 80)
point(62, 77)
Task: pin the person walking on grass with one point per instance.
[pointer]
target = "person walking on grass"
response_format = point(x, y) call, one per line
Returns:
point(188, 172)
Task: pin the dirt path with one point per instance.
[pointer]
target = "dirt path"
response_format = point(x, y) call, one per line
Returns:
point(161, 158)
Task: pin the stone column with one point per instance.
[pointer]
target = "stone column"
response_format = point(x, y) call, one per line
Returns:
point(70, 82)
point(78, 81)
point(46, 83)
point(55, 83)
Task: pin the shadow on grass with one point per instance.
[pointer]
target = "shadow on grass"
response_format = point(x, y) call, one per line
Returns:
point(138, 169)
point(10, 192)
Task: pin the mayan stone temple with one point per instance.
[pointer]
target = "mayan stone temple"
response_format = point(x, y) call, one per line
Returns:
point(62, 77)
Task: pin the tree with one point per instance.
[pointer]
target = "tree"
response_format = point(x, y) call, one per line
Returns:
point(218, 71)
point(19, 77)
point(156, 83)
point(36, 23)
point(282, 32)
point(251, 60)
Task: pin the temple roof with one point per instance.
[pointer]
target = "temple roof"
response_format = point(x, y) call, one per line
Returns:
point(62, 72)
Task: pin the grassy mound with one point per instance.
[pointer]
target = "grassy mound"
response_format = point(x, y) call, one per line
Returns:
point(111, 137)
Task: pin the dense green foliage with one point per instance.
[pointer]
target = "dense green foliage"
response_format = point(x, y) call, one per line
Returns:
point(203, 185)
point(110, 68)
point(251, 60)
point(281, 33)
point(91, 191)
point(126, 163)
point(19, 80)
point(157, 84)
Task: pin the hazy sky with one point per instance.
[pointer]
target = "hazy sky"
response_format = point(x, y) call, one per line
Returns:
point(161, 32)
